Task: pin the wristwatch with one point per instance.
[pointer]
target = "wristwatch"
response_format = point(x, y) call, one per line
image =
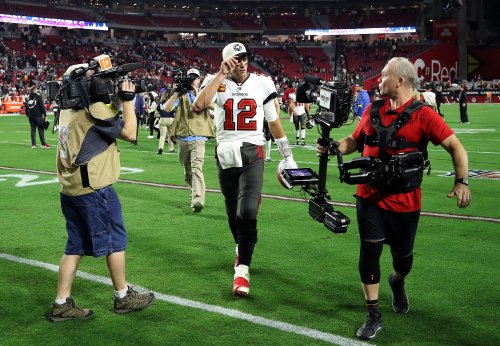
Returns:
point(464, 181)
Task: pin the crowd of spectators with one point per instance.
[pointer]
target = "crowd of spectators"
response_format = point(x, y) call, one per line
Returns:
point(33, 57)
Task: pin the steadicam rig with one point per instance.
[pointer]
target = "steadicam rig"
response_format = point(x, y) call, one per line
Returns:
point(334, 102)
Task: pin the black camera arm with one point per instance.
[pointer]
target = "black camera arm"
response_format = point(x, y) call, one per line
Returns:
point(331, 149)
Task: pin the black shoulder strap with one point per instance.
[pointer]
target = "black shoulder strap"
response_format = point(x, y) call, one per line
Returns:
point(83, 94)
point(406, 113)
point(385, 133)
point(376, 105)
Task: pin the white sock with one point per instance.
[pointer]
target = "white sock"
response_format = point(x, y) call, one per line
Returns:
point(242, 271)
point(303, 134)
point(297, 134)
point(268, 149)
point(60, 301)
point(121, 293)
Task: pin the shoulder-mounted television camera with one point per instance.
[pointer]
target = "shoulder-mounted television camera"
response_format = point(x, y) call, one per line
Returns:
point(334, 102)
point(183, 81)
point(77, 91)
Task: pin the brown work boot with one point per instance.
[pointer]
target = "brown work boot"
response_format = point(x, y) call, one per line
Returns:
point(68, 311)
point(133, 301)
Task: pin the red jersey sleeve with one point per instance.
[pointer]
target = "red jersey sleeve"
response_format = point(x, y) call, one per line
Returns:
point(434, 126)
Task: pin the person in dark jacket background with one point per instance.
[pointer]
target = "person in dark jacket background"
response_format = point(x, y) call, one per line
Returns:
point(35, 111)
point(139, 114)
point(439, 98)
point(462, 100)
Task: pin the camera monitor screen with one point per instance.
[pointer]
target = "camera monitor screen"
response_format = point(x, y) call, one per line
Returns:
point(300, 176)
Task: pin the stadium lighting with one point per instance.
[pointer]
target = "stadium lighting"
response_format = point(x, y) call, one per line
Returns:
point(65, 23)
point(362, 31)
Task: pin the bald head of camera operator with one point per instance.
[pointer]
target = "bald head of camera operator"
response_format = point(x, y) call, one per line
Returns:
point(388, 207)
point(88, 163)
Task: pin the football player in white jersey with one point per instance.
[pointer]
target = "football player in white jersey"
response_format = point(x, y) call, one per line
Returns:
point(242, 101)
point(300, 112)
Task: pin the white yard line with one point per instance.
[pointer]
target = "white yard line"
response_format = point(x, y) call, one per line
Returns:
point(261, 321)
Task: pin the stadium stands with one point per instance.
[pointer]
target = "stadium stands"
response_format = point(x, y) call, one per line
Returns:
point(389, 18)
point(242, 22)
point(289, 21)
point(176, 22)
point(128, 19)
point(33, 54)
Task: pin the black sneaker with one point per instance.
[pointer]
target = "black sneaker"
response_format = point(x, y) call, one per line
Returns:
point(400, 302)
point(160, 151)
point(133, 301)
point(369, 330)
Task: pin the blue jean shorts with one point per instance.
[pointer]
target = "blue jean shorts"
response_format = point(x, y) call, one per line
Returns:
point(94, 223)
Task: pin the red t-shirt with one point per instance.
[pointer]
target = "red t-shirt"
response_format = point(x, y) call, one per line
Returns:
point(423, 122)
point(286, 95)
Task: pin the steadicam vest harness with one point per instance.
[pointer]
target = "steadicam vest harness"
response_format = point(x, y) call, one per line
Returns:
point(385, 134)
point(401, 172)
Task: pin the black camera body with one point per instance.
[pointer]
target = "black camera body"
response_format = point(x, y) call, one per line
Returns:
point(76, 90)
point(402, 173)
point(184, 83)
point(322, 211)
point(334, 101)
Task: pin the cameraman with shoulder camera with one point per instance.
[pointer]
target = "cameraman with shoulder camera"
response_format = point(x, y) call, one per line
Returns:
point(389, 213)
point(88, 163)
point(165, 123)
point(191, 130)
point(242, 101)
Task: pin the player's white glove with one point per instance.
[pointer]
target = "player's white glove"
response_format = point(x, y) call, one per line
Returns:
point(286, 163)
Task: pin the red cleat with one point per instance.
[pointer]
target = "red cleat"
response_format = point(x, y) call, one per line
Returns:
point(241, 287)
point(241, 283)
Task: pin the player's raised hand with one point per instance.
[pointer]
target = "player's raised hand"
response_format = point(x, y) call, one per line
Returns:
point(228, 65)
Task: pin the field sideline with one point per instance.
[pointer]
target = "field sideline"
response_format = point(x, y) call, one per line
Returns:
point(305, 284)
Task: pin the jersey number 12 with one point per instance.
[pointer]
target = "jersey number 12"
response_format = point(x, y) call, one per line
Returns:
point(247, 108)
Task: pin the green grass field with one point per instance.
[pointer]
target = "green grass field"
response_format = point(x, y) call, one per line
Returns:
point(305, 282)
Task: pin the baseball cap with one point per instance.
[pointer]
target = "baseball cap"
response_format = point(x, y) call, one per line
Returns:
point(234, 48)
point(193, 71)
